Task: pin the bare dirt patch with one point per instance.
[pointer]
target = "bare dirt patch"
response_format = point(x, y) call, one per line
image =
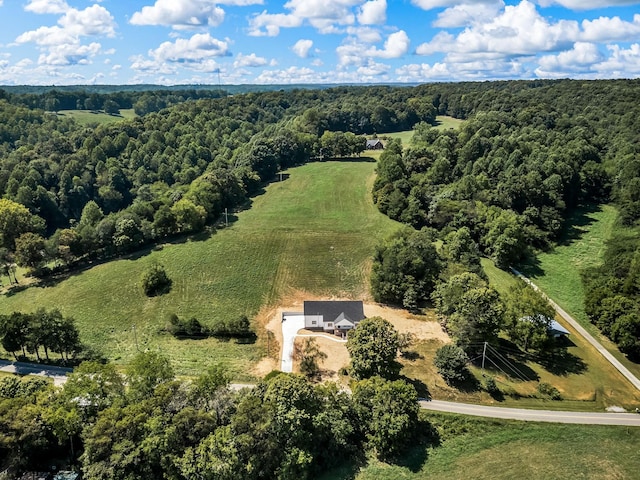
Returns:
point(423, 327)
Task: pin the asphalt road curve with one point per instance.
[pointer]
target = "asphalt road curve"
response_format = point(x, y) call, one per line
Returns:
point(583, 418)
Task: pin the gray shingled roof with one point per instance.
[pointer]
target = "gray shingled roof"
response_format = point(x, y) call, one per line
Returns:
point(331, 310)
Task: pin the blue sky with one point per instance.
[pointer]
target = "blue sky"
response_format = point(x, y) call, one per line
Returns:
point(61, 42)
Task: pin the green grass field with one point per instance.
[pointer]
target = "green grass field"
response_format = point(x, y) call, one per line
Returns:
point(557, 272)
point(86, 117)
point(493, 449)
point(313, 232)
point(442, 123)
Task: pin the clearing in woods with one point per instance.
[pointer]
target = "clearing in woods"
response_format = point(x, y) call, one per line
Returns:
point(314, 231)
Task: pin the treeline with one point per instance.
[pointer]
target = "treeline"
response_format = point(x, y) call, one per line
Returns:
point(612, 292)
point(239, 328)
point(142, 102)
point(527, 155)
point(46, 330)
point(508, 182)
point(410, 270)
point(146, 424)
point(111, 189)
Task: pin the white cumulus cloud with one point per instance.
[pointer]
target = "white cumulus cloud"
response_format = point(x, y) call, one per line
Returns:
point(468, 13)
point(251, 60)
point(301, 47)
point(324, 15)
point(587, 4)
point(431, 4)
point(180, 14)
point(61, 44)
point(579, 59)
point(396, 45)
point(606, 29)
point(47, 6)
point(195, 53)
point(518, 30)
point(65, 55)
point(373, 12)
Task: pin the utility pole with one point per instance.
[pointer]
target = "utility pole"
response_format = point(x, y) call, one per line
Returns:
point(484, 354)
point(226, 217)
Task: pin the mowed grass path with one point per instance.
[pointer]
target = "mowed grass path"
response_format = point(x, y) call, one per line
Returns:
point(496, 450)
point(315, 231)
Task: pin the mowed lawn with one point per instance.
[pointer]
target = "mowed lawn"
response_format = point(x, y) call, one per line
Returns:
point(86, 117)
point(315, 231)
point(504, 450)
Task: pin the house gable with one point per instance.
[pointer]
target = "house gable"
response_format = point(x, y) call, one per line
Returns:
point(336, 315)
point(374, 144)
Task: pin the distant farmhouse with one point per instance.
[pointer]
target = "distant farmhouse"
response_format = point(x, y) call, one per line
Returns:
point(333, 317)
point(374, 144)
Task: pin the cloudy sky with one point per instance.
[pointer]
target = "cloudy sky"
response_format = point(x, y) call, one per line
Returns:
point(58, 42)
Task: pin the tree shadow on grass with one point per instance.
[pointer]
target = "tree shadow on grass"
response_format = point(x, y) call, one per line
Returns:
point(467, 384)
point(421, 388)
point(576, 223)
point(416, 455)
point(530, 266)
point(562, 362)
point(411, 355)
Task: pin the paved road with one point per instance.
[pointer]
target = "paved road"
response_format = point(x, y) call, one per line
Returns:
point(584, 418)
point(597, 345)
point(59, 374)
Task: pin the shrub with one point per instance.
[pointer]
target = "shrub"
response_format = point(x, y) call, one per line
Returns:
point(186, 328)
point(451, 362)
point(155, 281)
point(549, 391)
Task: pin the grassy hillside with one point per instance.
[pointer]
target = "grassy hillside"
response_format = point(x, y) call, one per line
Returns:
point(557, 272)
point(582, 245)
point(494, 449)
point(314, 231)
point(86, 117)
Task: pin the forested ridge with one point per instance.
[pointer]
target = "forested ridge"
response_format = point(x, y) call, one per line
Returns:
point(528, 154)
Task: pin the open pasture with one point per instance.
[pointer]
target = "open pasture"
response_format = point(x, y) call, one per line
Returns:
point(315, 231)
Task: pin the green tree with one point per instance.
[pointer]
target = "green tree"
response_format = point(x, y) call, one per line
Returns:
point(528, 316)
point(451, 362)
point(15, 219)
point(373, 346)
point(111, 107)
point(448, 295)
point(388, 413)
point(478, 318)
point(93, 387)
point(155, 281)
point(405, 268)
point(146, 372)
point(190, 217)
point(30, 250)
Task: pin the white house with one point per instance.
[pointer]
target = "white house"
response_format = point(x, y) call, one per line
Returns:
point(333, 316)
